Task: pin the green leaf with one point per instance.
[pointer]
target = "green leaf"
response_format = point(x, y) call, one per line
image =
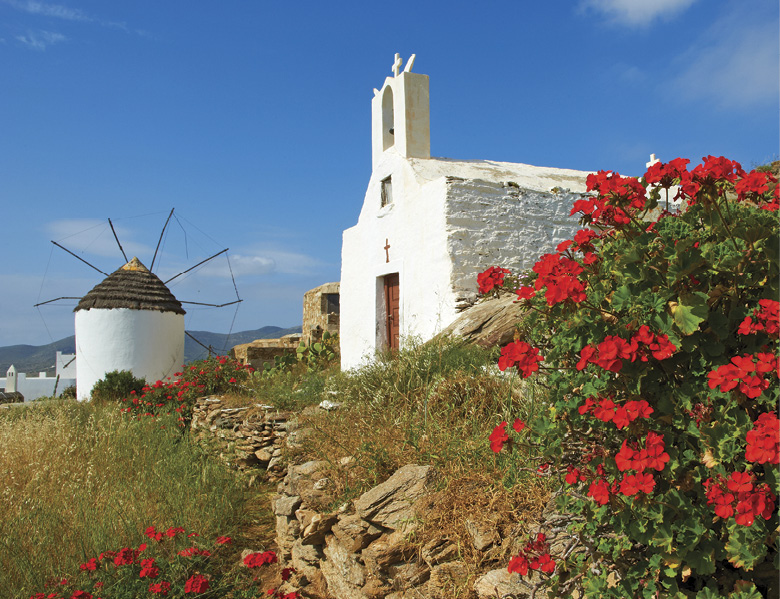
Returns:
point(701, 561)
point(621, 297)
point(748, 591)
point(657, 303)
point(772, 248)
point(688, 316)
point(719, 323)
point(663, 538)
point(745, 546)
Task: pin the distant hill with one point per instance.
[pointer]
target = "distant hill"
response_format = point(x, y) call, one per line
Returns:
point(222, 344)
point(40, 358)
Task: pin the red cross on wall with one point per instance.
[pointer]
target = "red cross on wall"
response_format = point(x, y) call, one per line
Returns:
point(387, 250)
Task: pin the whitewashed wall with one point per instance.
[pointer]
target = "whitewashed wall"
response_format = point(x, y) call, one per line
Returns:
point(66, 365)
point(414, 226)
point(33, 387)
point(147, 342)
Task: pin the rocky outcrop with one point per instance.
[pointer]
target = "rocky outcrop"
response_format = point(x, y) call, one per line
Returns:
point(362, 549)
point(369, 548)
point(391, 504)
point(487, 323)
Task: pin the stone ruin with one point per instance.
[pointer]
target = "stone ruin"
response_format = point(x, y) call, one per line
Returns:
point(320, 312)
point(320, 315)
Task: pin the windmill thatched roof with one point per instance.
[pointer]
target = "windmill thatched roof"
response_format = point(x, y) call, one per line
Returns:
point(132, 286)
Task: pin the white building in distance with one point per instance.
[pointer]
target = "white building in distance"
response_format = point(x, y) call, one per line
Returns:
point(428, 225)
point(130, 321)
point(41, 385)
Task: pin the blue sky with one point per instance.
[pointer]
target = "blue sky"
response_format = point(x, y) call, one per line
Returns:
point(253, 119)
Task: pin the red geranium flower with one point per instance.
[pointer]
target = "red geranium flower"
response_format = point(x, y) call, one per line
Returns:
point(518, 564)
point(763, 442)
point(498, 437)
point(599, 490)
point(148, 569)
point(635, 483)
point(91, 565)
point(196, 584)
point(522, 355)
point(255, 560)
point(492, 277)
point(160, 587)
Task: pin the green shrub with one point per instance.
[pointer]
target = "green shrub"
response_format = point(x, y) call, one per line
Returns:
point(319, 355)
point(68, 392)
point(116, 385)
point(290, 389)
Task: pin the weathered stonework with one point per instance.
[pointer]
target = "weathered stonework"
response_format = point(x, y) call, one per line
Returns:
point(363, 549)
point(321, 312)
point(500, 223)
point(248, 438)
point(260, 352)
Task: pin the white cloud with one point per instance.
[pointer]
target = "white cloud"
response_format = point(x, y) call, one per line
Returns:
point(249, 265)
point(44, 9)
point(261, 262)
point(40, 40)
point(293, 262)
point(58, 11)
point(636, 13)
point(734, 63)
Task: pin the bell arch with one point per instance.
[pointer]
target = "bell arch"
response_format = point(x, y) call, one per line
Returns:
point(388, 118)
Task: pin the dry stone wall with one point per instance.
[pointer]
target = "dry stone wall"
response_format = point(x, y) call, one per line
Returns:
point(260, 352)
point(361, 549)
point(248, 438)
point(365, 549)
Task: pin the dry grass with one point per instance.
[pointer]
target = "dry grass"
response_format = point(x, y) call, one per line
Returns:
point(435, 405)
point(511, 512)
point(79, 479)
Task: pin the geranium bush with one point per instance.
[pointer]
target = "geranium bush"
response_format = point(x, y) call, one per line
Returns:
point(170, 563)
point(216, 374)
point(655, 334)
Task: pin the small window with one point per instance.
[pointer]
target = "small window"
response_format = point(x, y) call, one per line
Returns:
point(387, 191)
point(330, 303)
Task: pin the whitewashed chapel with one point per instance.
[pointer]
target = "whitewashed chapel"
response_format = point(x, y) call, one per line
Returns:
point(429, 225)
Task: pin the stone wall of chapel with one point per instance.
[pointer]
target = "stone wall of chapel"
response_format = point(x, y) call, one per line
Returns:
point(501, 224)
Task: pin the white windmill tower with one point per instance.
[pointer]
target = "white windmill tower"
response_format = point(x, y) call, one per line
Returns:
point(130, 321)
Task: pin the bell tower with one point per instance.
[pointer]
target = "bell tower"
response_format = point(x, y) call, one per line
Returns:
point(401, 114)
point(10, 380)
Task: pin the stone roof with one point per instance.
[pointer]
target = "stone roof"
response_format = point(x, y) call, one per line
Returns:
point(133, 286)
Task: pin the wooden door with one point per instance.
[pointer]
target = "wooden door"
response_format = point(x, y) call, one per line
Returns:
point(392, 302)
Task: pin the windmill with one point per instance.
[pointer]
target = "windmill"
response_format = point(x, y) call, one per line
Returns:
point(131, 321)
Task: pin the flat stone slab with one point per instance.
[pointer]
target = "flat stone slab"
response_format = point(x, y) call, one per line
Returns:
point(390, 503)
